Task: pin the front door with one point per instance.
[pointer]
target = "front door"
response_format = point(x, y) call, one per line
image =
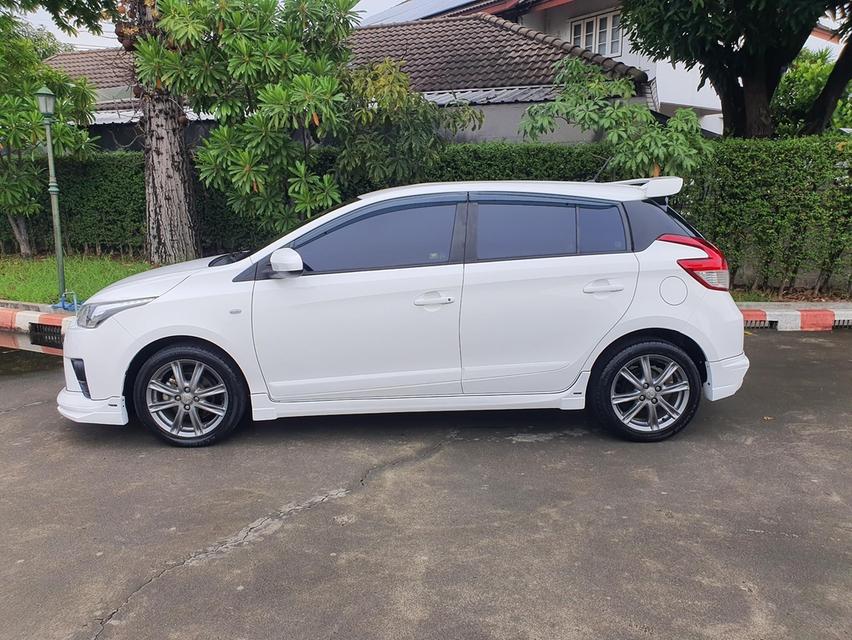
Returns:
point(545, 280)
point(376, 312)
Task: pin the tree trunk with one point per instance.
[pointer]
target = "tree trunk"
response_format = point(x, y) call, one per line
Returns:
point(821, 111)
point(733, 111)
point(22, 234)
point(169, 198)
point(756, 97)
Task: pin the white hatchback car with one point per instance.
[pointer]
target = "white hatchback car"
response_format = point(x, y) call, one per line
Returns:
point(431, 297)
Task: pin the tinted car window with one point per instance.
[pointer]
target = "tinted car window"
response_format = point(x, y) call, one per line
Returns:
point(648, 221)
point(412, 236)
point(524, 230)
point(601, 229)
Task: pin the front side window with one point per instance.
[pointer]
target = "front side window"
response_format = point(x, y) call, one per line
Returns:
point(507, 230)
point(413, 235)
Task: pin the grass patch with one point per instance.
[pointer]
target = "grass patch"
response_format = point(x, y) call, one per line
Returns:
point(747, 295)
point(35, 280)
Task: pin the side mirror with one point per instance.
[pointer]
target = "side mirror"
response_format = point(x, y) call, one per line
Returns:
point(285, 263)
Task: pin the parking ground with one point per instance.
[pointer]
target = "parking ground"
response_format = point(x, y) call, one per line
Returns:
point(531, 525)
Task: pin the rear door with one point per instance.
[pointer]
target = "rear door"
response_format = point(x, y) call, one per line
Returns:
point(545, 279)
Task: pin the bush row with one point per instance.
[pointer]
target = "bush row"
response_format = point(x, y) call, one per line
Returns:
point(780, 209)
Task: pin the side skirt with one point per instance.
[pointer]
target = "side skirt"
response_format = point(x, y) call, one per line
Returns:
point(574, 398)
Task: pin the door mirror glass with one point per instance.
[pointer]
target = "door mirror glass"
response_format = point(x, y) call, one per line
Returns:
point(286, 262)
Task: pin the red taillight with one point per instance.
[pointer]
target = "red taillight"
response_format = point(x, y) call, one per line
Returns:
point(711, 271)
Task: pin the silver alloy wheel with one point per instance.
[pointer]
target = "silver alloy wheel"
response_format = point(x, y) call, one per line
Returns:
point(650, 393)
point(187, 398)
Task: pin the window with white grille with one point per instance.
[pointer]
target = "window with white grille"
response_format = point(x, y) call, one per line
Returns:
point(600, 33)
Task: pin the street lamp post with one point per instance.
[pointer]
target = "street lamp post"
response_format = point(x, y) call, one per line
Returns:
point(46, 104)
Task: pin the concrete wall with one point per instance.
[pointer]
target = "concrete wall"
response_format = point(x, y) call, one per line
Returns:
point(502, 122)
point(500, 125)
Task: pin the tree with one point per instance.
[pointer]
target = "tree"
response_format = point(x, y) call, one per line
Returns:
point(641, 146)
point(69, 15)
point(45, 43)
point(276, 77)
point(742, 48)
point(22, 129)
point(798, 89)
point(172, 233)
point(396, 134)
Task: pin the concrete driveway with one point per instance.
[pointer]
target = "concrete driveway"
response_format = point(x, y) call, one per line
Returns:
point(465, 525)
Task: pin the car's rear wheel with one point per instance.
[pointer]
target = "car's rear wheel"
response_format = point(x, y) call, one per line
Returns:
point(189, 395)
point(647, 391)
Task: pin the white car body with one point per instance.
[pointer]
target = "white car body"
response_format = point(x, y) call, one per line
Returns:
point(493, 334)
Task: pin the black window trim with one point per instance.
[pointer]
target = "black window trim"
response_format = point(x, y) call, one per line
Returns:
point(502, 197)
point(463, 243)
point(262, 271)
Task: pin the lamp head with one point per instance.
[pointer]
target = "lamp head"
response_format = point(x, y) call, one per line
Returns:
point(46, 102)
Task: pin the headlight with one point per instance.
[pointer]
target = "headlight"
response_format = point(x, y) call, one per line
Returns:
point(92, 314)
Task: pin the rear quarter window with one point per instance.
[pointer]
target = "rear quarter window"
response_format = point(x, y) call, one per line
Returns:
point(601, 229)
point(649, 220)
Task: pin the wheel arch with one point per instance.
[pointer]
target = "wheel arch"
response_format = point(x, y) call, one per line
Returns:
point(689, 345)
point(152, 347)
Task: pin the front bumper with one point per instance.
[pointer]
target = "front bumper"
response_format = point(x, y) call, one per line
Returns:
point(725, 377)
point(75, 406)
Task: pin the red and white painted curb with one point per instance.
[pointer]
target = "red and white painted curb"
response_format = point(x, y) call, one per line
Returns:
point(790, 316)
point(15, 324)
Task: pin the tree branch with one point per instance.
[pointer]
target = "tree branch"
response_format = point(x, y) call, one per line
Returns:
point(823, 107)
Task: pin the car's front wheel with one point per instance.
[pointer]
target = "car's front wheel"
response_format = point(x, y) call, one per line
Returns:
point(189, 395)
point(647, 391)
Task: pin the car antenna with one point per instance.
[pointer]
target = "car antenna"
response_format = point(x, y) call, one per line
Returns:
point(601, 170)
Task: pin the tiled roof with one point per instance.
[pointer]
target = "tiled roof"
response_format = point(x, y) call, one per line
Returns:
point(103, 68)
point(474, 51)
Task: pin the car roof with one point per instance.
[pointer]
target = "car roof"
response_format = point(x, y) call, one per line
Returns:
point(621, 191)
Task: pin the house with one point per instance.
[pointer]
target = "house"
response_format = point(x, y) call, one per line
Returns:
point(594, 25)
point(499, 66)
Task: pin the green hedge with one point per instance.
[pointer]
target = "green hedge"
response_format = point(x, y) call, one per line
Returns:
point(102, 206)
point(780, 209)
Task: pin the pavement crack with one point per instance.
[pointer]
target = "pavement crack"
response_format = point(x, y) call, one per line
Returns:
point(418, 456)
point(103, 622)
point(254, 531)
point(23, 406)
point(271, 522)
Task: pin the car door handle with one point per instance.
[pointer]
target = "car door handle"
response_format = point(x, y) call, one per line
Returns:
point(603, 287)
point(429, 300)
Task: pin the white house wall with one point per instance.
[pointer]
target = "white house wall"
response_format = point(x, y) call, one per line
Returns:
point(676, 86)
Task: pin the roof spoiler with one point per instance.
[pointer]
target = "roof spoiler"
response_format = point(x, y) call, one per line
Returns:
point(655, 187)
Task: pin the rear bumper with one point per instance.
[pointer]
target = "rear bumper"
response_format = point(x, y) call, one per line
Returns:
point(725, 377)
point(75, 406)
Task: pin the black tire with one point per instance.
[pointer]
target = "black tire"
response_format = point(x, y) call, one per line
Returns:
point(216, 371)
point(601, 390)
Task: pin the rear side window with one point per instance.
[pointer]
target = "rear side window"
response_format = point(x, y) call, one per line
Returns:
point(418, 235)
point(600, 229)
point(649, 220)
point(507, 230)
